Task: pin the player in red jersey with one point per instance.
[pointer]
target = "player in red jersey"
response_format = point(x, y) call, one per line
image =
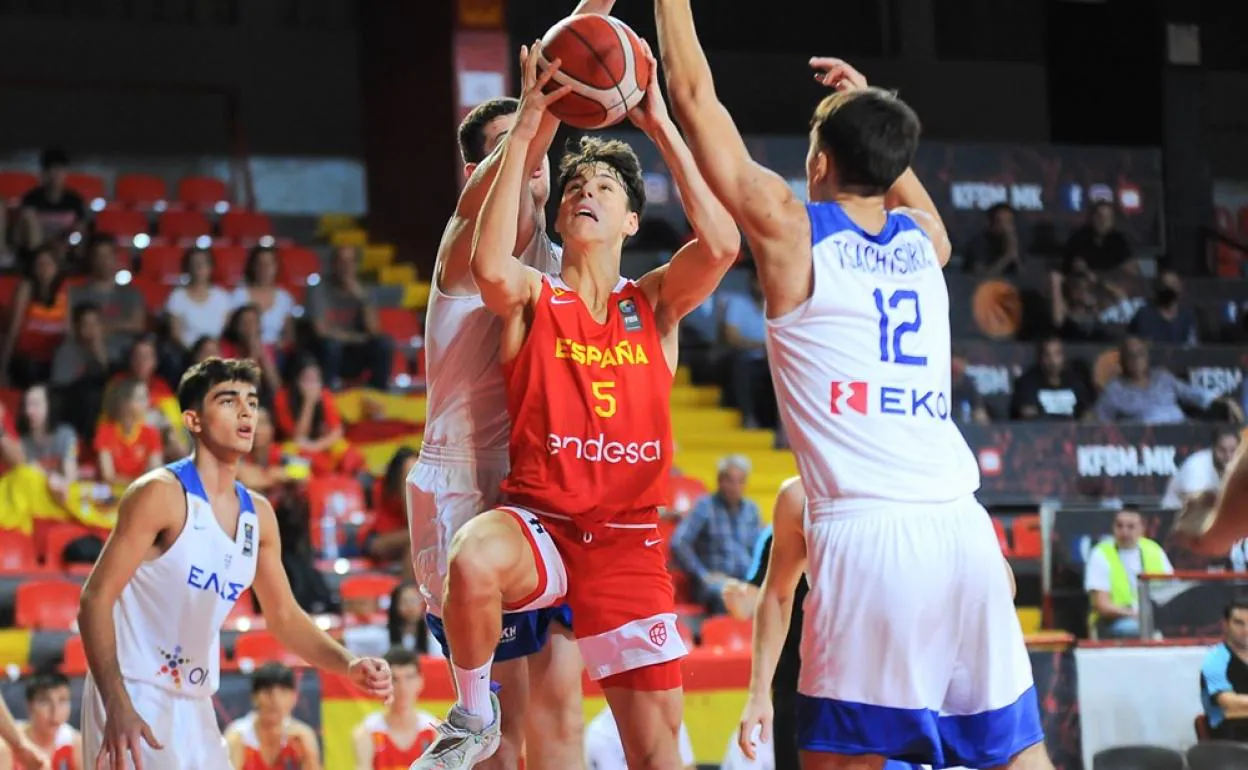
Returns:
point(48, 702)
point(269, 737)
point(395, 738)
point(588, 359)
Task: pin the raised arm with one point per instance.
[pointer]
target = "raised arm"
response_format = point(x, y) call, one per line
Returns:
point(696, 270)
point(506, 285)
point(455, 251)
point(1216, 521)
point(774, 610)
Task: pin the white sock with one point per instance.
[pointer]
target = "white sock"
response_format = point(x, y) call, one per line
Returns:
point(474, 690)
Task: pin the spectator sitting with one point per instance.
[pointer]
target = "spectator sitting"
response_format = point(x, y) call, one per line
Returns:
point(203, 349)
point(995, 250)
point(389, 540)
point(244, 338)
point(197, 308)
point(1202, 471)
point(1111, 577)
point(1167, 319)
point(51, 211)
point(126, 444)
point(346, 325)
point(80, 369)
point(49, 702)
point(263, 469)
point(274, 303)
point(405, 619)
point(307, 416)
point(48, 443)
point(1080, 305)
point(715, 542)
point(1050, 389)
point(604, 750)
point(965, 401)
point(122, 308)
point(744, 331)
point(38, 320)
point(1224, 677)
point(1151, 396)
point(164, 413)
point(1100, 243)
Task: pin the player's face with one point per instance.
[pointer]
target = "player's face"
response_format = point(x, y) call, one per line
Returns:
point(594, 207)
point(407, 684)
point(228, 418)
point(494, 133)
point(50, 709)
point(274, 704)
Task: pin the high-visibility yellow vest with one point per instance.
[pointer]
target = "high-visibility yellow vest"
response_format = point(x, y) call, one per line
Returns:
point(1122, 592)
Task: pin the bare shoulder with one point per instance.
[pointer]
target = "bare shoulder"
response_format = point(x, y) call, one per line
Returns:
point(265, 515)
point(156, 493)
point(930, 225)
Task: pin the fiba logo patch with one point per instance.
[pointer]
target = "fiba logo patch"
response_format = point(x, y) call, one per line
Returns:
point(658, 634)
point(632, 321)
point(249, 537)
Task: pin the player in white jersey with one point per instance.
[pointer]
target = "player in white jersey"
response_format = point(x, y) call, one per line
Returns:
point(189, 541)
point(911, 648)
point(463, 458)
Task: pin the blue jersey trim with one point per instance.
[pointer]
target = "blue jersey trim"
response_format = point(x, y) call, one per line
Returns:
point(828, 219)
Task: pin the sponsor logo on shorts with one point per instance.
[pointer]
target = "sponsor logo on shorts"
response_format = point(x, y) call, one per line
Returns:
point(508, 634)
point(175, 666)
point(599, 450)
point(658, 634)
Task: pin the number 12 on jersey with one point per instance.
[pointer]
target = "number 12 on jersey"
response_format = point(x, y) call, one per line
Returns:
point(900, 301)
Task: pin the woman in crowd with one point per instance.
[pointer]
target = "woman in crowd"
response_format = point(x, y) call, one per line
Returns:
point(244, 338)
point(198, 308)
point(307, 416)
point(274, 303)
point(389, 540)
point(47, 442)
point(38, 320)
point(126, 444)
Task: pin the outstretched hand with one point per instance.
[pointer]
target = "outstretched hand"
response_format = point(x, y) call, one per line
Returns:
point(650, 114)
point(534, 100)
point(837, 73)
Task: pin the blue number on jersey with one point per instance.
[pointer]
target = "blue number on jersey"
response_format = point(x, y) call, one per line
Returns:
point(898, 297)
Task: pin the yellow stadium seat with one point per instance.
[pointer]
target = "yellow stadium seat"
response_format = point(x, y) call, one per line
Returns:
point(397, 275)
point(694, 396)
point(332, 223)
point(354, 237)
point(416, 295)
point(1030, 618)
point(376, 256)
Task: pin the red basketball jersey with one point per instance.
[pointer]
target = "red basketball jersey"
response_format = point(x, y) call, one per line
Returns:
point(591, 434)
point(387, 755)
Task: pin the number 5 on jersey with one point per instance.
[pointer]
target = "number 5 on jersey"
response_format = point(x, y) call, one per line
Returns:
point(606, 400)
point(900, 300)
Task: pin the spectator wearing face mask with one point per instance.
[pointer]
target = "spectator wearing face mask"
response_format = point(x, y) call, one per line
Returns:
point(1167, 319)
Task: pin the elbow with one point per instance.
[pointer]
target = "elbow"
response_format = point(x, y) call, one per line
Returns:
point(723, 245)
point(688, 95)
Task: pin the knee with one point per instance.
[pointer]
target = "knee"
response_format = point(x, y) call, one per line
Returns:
point(381, 345)
point(481, 555)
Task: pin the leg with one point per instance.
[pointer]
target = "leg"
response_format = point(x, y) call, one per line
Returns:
point(1034, 757)
point(816, 760)
point(379, 352)
point(331, 351)
point(649, 720)
point(513, 701)
point(741, 379)
point(556, 716)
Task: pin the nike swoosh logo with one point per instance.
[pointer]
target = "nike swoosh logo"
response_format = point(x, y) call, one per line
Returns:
point(562, 301)
point(655, 541)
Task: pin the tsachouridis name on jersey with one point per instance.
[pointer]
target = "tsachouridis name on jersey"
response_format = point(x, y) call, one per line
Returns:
point(625, 353)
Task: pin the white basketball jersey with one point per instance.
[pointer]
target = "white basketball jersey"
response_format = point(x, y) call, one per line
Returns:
point(862, 368)
point(169, 615)
point(467, 401)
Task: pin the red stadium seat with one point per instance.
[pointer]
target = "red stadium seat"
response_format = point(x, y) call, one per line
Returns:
point(261, 647)
point(162, 264)
point(369, 586)
point(1028, 543)
point(183, 226)
point(685, 492)
point(15, 184)
point(228, 265)
point(155, 293)
point(321, 490)
point(47, 605)
point(203, 193)
point(74, 658)
point(141, 191)
point(297, 264)
point(89, 186)
point(727, 632)
point(11, 400)
point(1002, 538)
point(56, 538)
point(401, 324)
point(245, 226)
point(17, 552)
point(122, 225)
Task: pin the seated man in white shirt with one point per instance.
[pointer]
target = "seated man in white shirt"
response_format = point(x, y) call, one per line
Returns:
point(1111, 577)
point(1202, 471)
point(605, 751)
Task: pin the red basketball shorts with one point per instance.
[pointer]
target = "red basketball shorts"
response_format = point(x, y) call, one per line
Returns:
point(616, 583)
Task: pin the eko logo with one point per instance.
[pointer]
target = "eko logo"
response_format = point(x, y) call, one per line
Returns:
point(599, 450)
point(857, 397)
point(849, 397)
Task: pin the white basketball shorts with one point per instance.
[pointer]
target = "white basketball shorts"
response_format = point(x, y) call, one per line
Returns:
point(185, 727)
point(911, 646)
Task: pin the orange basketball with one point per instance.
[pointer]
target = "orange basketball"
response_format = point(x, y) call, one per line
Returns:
point(998, 309)
point(606, 65)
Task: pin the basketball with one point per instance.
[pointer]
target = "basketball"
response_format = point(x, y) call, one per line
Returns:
point(604, 62)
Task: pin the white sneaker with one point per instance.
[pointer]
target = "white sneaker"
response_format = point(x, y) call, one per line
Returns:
point(463, 741)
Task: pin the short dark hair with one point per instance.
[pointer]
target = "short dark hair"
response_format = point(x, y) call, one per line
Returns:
point(53, 157)
point(211, 372)
point(472, 129)
point(82, 309)
point(1238, 603)
point(992, 210)
point(591, 150)
point(870, 136)
point(271, 676)
point(42, 681)
point(398, 655)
